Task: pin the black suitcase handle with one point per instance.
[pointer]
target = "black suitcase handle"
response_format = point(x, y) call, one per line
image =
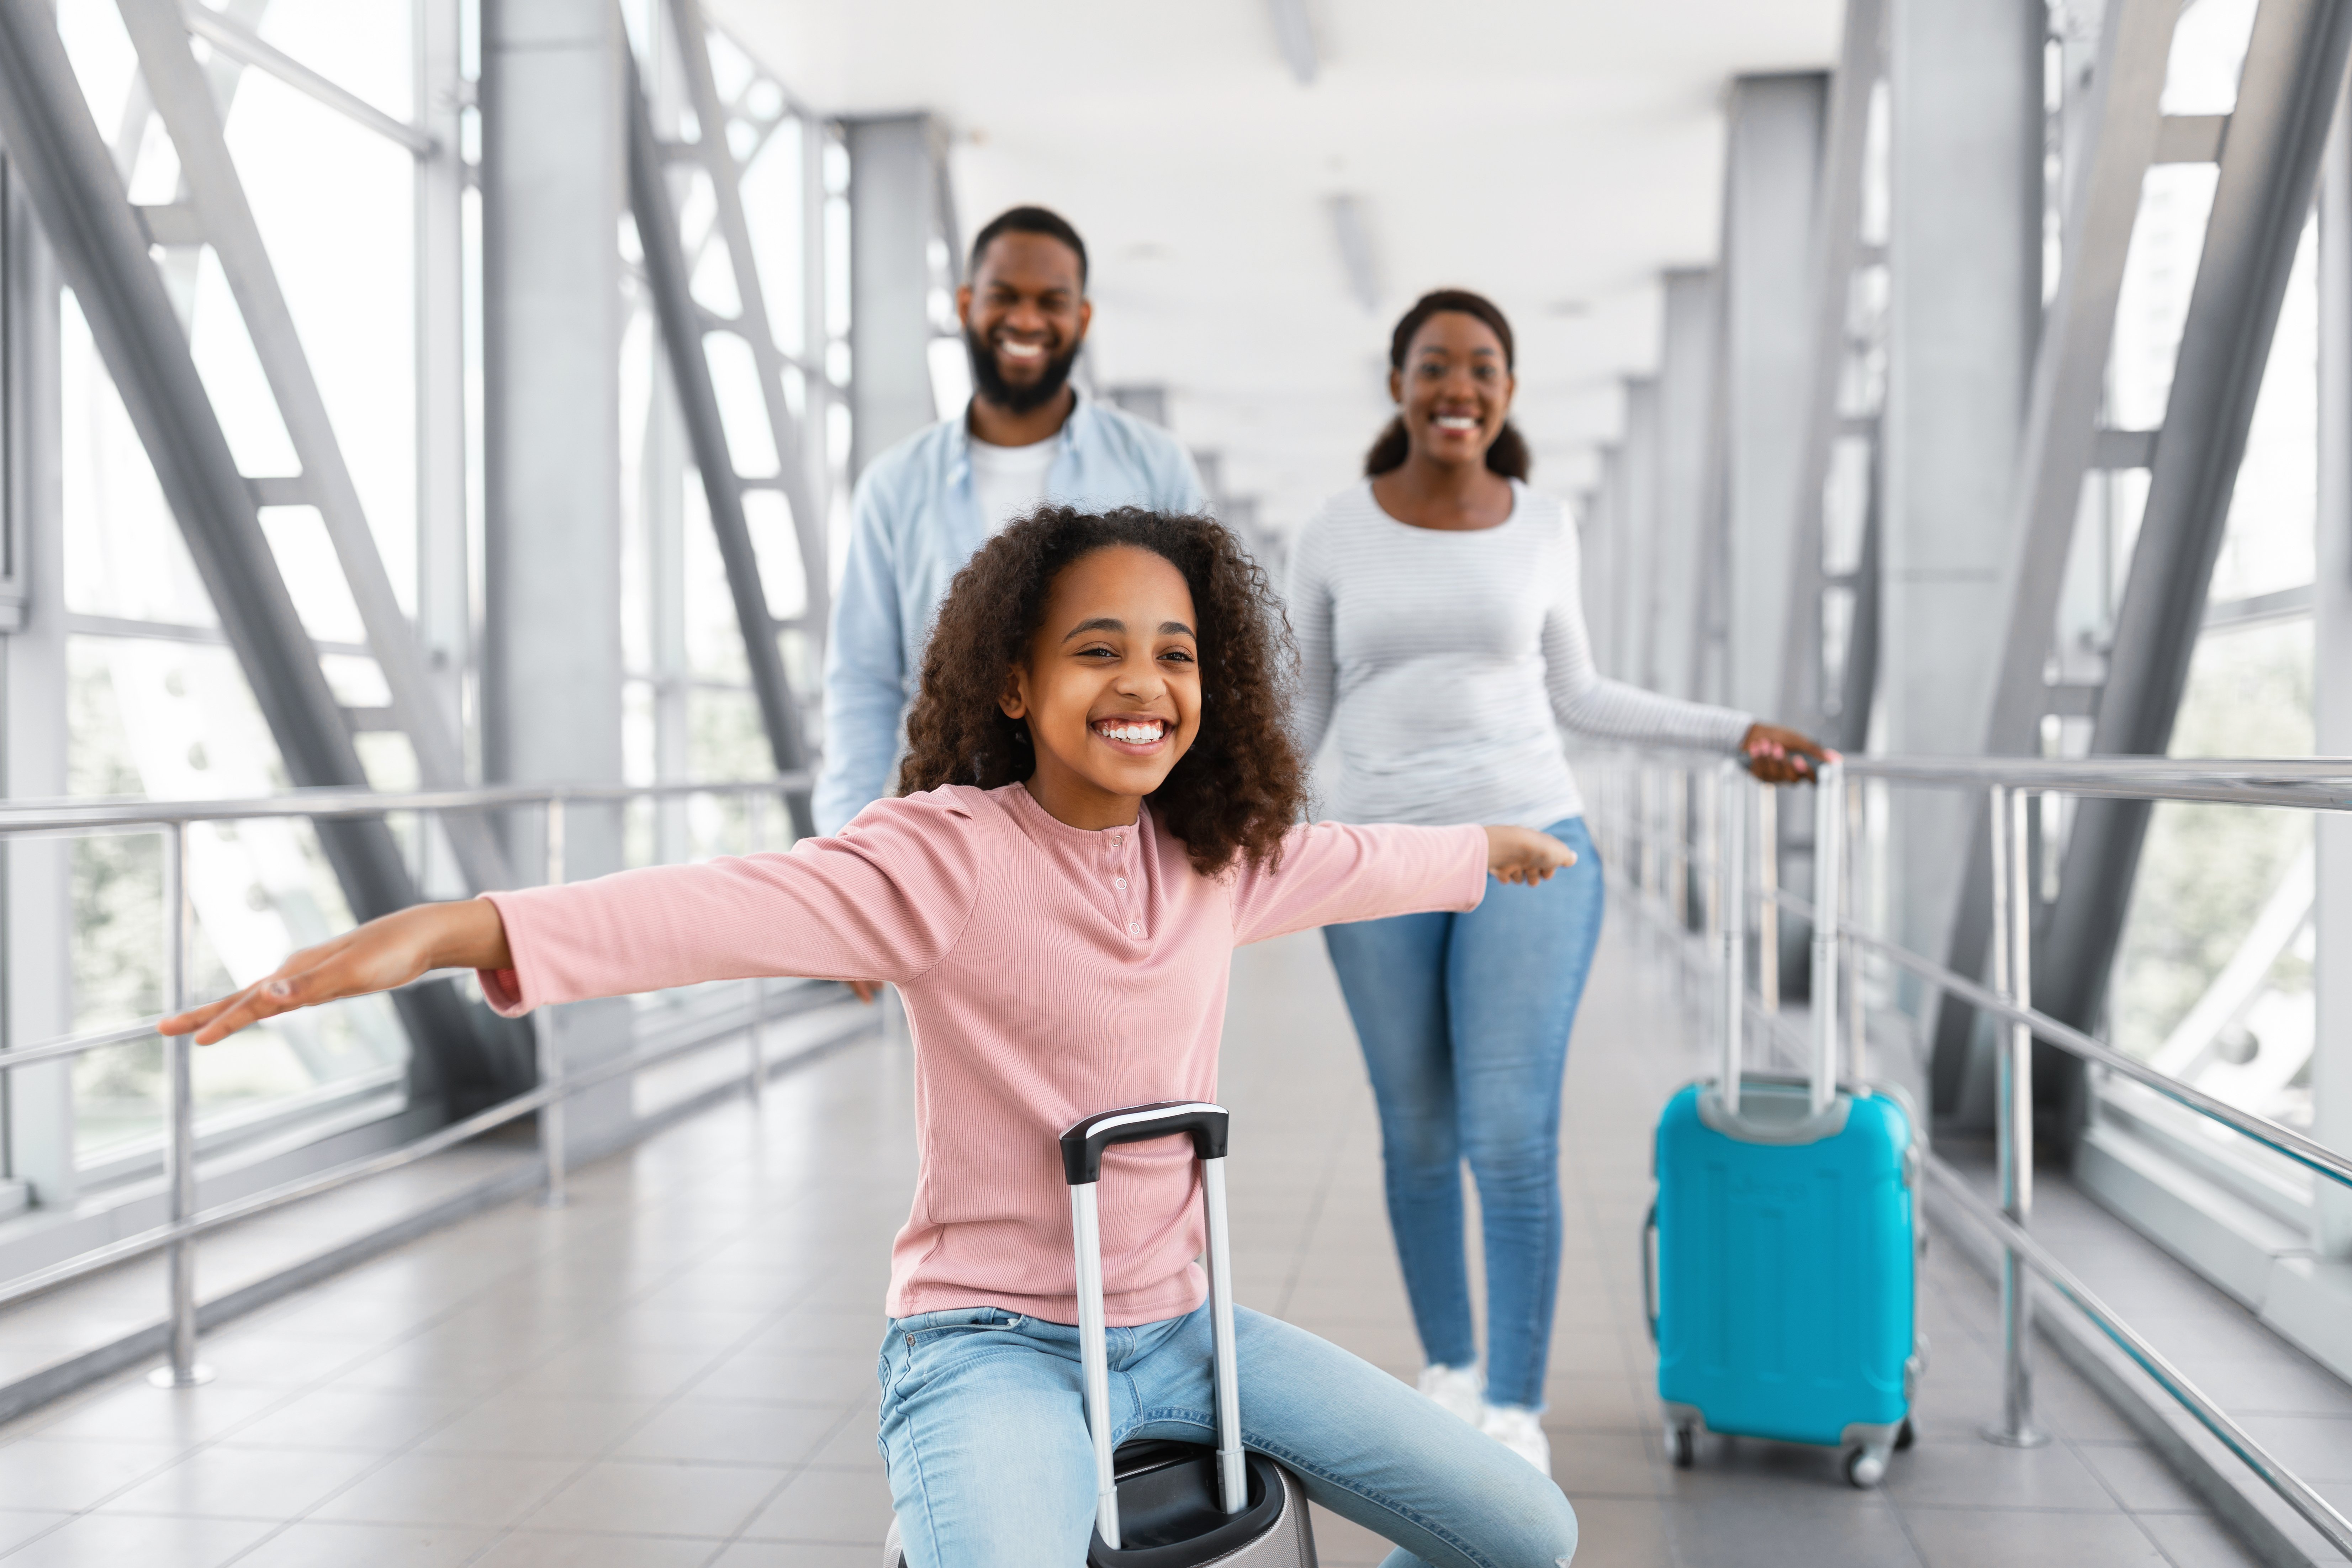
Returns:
point(1083, 1144)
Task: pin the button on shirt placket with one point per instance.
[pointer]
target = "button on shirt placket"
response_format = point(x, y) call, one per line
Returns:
point(1116, 851)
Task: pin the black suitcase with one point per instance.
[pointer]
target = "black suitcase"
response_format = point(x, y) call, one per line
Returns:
point(1169, 1504)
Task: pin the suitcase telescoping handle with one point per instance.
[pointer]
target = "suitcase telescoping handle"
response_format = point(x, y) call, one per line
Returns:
point(1082, 1153)
point(1731, 924)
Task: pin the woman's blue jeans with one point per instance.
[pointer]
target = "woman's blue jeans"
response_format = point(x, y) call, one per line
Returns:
point(984, 1427)
point(1464, 1021)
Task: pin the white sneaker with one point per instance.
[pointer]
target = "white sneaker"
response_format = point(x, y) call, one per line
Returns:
point(1520, 1429)
point(1454, 1389)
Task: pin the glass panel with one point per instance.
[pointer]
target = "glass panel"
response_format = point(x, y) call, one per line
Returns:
point(2160, 271)
point(336, 206)
point(233, 376)
point(2269, 542)
point(714, 642)
point(2208, 51)
point(363, 50)
point(725, 740)
point(778, 546)
point(742, 412)
point(773, 210)
point(305, 557)
point(103, 60)
point(171, 720)
point(2223, 889)
point(123, 553)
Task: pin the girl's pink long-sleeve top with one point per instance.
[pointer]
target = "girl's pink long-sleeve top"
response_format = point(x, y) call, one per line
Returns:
point(1049, 972)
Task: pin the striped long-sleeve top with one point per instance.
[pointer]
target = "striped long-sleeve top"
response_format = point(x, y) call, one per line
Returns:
point(1446, 664)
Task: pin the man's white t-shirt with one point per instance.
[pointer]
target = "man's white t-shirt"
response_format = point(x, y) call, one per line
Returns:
point(1010, 481)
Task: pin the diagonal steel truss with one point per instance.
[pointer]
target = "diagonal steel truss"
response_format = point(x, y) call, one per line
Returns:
point(217, 215)
point(1840, 715)
point(686, 328)
point(2268, 150)
point(102, 245)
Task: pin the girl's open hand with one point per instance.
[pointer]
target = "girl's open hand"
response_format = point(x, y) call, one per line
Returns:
point(376, 957)
point(1524, 856)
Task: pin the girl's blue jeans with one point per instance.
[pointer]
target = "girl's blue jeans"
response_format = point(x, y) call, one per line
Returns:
point(984, 1427)
point(1464, 1020)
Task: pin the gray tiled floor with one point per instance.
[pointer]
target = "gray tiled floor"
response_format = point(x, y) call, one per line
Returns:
point(678, 1369)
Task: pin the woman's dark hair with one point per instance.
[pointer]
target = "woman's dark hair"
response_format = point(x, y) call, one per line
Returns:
point(1242, 782)
point(1508, 456)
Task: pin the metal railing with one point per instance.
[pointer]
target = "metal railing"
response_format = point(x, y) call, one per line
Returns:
point(184, 1223)
point(1647, 806)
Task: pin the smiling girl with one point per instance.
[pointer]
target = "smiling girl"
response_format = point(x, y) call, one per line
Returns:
point(1097, 807)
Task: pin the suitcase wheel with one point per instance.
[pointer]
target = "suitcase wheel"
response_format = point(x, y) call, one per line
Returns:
point(1904, 1435)
point(1682, 1444)
point(1866, 1467)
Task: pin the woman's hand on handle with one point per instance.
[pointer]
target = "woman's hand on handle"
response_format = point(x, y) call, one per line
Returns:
point(377, 956)
point(1778, 755)
point(1524, 856)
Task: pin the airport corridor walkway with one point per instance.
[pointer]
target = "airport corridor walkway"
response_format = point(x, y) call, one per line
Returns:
point(678, 1369)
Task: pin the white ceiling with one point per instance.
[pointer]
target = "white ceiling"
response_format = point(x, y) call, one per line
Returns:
point(1554, 155)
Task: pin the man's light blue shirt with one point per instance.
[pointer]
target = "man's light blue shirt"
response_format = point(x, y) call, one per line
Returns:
point(914, 521)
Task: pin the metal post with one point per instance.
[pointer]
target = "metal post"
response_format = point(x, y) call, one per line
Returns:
point(1677, 826)
point(1731, 924)
point(183, 1371)
point(2013, 944)
point(755, 814)
point(1767, 907)
point(1857, 1021)
point(551, 1059)
point(1086, 1221)
point(1828, 875)
point(1233, 1473)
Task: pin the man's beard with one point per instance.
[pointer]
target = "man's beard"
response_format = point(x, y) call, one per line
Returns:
point(990, 383)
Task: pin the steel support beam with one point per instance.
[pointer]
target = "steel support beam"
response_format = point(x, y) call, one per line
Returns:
point(1685, 397)
point(752, 322)
point(2331, 662)
point(1964, 234)
point(2117, 134)
point(35, 875)
point(184, 98)
point(682, 329)
point(1834, 248)
point(2287, 96)
point(1771, 193)
point(894, 182)
point(56, 147)
point(1637, 525)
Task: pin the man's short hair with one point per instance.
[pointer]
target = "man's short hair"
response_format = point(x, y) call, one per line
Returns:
point(1029, 221)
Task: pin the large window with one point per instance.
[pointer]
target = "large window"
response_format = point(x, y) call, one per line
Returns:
point(355, 143)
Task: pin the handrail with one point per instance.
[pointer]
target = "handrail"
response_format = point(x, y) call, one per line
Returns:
point(184, 1223)
point(66, 816)
point(2298, 1494)
point(486, 1119)
point(2311, 784)
point(2314, 1156)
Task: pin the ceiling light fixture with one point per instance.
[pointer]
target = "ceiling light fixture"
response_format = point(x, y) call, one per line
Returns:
point(1291, 31)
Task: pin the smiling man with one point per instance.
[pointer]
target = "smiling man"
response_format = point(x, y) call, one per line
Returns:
point(1026, 438)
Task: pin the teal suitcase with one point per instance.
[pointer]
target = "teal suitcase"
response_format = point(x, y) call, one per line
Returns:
point(1780, 1259)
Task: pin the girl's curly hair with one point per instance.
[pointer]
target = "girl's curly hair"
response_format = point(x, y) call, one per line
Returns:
point(1240, 786)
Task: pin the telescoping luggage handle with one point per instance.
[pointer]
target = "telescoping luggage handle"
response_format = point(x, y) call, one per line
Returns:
point(1731, 929)
point(1082, 1153)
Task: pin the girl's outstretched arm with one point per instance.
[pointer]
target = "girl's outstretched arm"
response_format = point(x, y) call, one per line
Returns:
point(376, 957)
point(885, 899)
